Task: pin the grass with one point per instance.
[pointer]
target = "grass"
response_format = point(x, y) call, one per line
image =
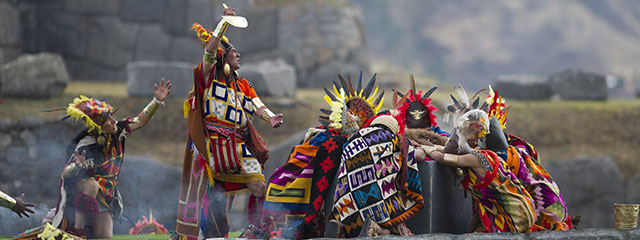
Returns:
point(559, 129)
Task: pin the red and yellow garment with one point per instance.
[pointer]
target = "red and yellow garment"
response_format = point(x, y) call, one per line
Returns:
point(499, 199)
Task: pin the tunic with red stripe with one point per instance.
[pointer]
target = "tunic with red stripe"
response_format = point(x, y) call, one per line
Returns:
point(227, 107)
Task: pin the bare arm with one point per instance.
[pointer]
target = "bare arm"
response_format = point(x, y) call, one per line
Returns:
point(209, 58)
point(211, 48)
point(160, 93)
point(261, 110)
point(466, 160)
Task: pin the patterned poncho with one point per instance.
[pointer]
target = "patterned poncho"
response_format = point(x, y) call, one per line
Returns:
point(522, 159)
point(499, 199)
point(371, 181)
point(296, 191)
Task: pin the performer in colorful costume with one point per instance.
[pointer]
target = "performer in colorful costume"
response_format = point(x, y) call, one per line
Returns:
point(16, 205)
point(416, 116)
point(522, 158)
point(217, 161)
point(88, 192)
point(378, 181)
point(500, 201)
point(297, 191)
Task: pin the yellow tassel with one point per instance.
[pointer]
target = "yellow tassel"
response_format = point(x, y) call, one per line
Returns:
point(210, 175)
point(186, 107)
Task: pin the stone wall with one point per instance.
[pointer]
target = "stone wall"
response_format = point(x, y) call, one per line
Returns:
point(97, 38)
point(9, 32)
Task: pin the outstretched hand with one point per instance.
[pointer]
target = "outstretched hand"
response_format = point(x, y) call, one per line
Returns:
point(78, 158)
point(276, 121)
point(162, 91)
point(22, 207)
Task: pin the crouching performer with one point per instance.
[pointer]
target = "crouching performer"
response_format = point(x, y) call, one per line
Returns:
point(378, 185)
point(523, 160)
point(88, 197)
point(500, 201)
point(299, 192)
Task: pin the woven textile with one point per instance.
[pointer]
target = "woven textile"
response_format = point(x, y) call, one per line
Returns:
point(522, 159)
point(499, 199)
point(212, 103)
point(296, 190)
point(369, 184)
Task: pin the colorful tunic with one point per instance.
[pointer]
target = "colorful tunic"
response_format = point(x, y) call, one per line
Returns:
point(522, 160)
point(296, 191)
point(377, 179)
point(103, 165)
point(215, 153)
point(499, 199)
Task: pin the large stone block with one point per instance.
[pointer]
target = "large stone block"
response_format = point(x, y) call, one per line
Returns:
point(8, 53)
point(142, 10)
point(9, 25)
point(590, 186)
point(93, 7)
point(64, 33)
point(522, 87)
point(152, 44)
point(261, 35)
point(10, 32)
point(175, 20)
point(41, 75)
point(207, 13)
point(633, 189)
point(142, 75)
point(111, 41)
point(185, 49)
point(579, 85)
point(87, 70)
point(271, 77)
point(319, 41)
point(446, 209)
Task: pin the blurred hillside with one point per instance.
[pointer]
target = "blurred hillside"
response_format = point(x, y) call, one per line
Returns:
point(472, 42)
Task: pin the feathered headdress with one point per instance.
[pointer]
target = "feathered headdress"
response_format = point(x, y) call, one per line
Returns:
point(203, 34)
point(92, 112)
point(413, 97)
point(461, 106)
point(468, 119)
point(497, 107)
point(360, 102)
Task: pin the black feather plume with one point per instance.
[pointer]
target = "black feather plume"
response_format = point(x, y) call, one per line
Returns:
point(369, 88)
point(428, 93)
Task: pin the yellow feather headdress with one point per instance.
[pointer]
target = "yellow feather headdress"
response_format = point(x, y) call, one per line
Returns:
point(361, 102)
point(92, 112)
point(497, 107)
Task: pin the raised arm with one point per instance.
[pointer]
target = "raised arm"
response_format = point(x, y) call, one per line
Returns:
point(160, 93)
point(211, 49)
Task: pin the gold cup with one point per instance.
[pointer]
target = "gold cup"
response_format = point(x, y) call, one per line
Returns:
point(626, 215)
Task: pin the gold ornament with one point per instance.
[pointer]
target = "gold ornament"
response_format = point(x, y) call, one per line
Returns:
point(227, 69)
